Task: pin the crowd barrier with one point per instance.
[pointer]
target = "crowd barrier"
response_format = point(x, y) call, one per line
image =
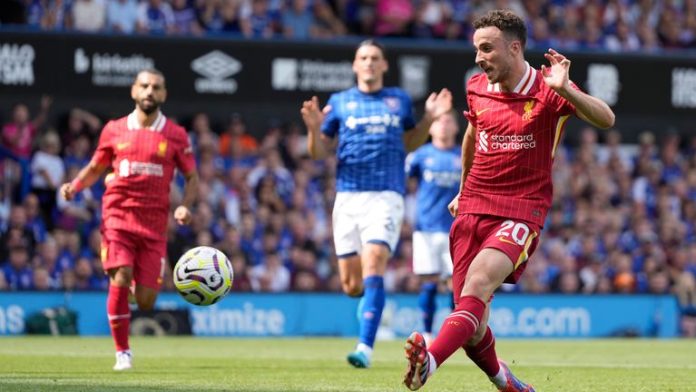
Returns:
point(332, 314)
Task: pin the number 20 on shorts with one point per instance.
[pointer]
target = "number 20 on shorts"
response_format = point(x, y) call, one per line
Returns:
point(516, 231)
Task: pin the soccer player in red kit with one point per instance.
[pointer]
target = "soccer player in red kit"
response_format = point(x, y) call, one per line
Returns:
point(143, 149)
point(516, 118)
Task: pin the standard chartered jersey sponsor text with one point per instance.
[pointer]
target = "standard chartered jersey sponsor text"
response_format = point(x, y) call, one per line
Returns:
point(311, 75)
point(216, 68)
point(245, 321)
point(17, 64)
point(111, 69)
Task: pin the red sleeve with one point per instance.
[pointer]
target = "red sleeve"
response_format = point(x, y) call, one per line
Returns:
point(104, 154)
point(183, 156)
point(561, 105)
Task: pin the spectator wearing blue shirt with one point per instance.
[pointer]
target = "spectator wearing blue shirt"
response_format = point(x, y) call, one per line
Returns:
point(298, 20)
point(185, 18)
point(17, 233)
point(121, 16)
point(155, 17)
point(17, 271)
point(35, 220)
point(260, 22)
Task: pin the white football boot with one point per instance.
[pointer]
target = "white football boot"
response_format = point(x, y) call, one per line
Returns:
point(124, 360)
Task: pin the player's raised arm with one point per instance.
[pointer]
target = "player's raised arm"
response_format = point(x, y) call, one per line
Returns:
point(84, 179)
point(588, 108)
point(436, 105)
point(468, 151)
point(313, 117)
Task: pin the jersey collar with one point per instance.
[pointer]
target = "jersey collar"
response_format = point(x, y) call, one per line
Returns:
point(156, 126)
point(523, 86)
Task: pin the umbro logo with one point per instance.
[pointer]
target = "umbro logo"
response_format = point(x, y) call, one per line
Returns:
point(216, 65)
point(216, 68)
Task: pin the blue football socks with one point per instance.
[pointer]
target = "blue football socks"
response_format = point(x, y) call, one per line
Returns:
point(372, 305)
point(426, 302)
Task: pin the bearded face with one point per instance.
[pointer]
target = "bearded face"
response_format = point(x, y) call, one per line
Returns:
point(149, 92)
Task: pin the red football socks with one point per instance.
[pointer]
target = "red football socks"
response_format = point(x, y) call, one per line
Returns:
point(483, 354)
point(119, 315)
point(457, 328)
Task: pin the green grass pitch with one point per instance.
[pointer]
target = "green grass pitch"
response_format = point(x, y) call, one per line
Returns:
point(318, 364)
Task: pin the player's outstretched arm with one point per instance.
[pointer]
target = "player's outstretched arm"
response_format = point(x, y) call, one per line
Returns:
point(313, 117)
point(468, 151)
point(84, 179)
point(588, 108)
point(436, 105)
point(182, 214)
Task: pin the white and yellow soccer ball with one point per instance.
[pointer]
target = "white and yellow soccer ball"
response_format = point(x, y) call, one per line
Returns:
point(203, 275)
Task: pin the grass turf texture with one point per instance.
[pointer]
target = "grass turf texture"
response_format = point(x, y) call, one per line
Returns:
point(221, 364)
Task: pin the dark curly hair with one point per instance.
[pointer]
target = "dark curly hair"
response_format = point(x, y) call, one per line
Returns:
point(507, 21)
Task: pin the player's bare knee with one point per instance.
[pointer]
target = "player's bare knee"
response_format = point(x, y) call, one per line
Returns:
point(376, 254)
point(146, 303)
point(478, 285)
point(375, 266)
point(352, 289)
point(121, 276)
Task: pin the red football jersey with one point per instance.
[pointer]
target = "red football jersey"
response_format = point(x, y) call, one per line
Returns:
point(143, 161)
point(517, 134)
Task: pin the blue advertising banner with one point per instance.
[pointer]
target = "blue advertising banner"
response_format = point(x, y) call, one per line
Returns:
point(292, 314)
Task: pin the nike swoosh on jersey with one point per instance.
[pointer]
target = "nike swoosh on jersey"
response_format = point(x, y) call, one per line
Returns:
point(480, 112)
point(507, 241)
point(121, 146)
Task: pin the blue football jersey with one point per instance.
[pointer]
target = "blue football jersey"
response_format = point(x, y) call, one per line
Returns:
point(438, 173)
point(370, 148)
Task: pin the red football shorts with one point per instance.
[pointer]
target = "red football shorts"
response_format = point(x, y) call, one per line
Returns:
point(146, 256)
point(472, 233)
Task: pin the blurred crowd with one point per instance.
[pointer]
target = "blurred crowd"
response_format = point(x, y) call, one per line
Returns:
point(623, 218)
point(613, 25)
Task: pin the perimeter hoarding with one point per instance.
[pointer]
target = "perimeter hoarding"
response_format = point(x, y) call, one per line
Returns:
point(264, 79)
point(332, 314)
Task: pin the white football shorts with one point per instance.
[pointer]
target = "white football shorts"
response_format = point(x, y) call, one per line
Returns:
point(366, 217)
point(431, 253)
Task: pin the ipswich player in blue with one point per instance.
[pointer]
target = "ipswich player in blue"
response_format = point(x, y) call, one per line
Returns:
point(437, 167)
point(371, 128)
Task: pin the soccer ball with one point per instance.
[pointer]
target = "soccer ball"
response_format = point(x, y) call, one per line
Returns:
point(203, 275)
